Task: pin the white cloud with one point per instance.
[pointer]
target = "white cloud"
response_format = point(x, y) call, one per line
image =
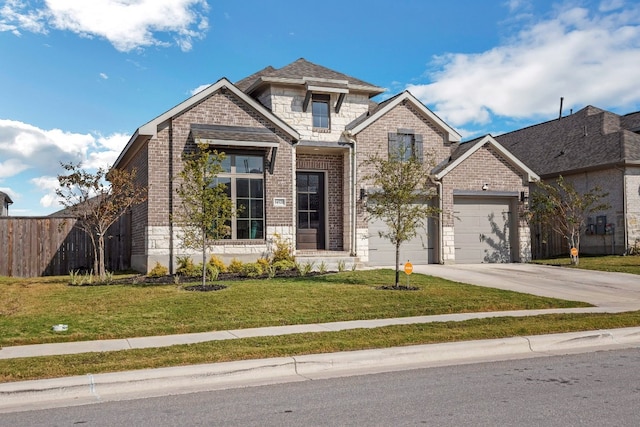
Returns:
point(104, 76)
point(40, 152)
point(48, 185)
point(199, 89)
point(26, 146)
point(12, 167)
point(585, 57)
point(126, 24)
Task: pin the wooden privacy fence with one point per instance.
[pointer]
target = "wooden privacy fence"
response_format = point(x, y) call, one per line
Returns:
point(546, 243)
point(51, 246)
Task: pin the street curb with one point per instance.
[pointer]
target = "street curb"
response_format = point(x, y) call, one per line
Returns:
point(78, 390)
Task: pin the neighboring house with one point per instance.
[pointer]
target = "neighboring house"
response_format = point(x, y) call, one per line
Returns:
point(296, 139)
point(589, 148)
point(5, 201)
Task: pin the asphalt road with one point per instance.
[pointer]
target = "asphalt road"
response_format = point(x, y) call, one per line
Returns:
point(590, 389)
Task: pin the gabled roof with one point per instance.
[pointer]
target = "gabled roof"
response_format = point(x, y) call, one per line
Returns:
point(590, 138)
point(465, 150)
point(301, 72)
point(383, 108)
point(5, 197)
point(150, 129)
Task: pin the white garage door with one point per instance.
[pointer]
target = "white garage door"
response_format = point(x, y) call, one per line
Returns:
point(482, 230)
point(419, 250)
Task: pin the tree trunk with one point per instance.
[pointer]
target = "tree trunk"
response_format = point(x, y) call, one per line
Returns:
point(204, 257)
point(101, 270)
point(397, 265)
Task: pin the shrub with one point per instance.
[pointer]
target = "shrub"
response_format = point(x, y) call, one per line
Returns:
point(235, 266)
point(284, 265)
point(158, 271)
point(264, 263)
point(218, 263)
point(283, 250)
point(251, 269)
point(212, 272)
point(187, 268)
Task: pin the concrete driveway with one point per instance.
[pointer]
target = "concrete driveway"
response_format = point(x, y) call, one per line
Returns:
point(603, 289)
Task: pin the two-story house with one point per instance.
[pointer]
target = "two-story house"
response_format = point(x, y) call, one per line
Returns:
point(296, 138)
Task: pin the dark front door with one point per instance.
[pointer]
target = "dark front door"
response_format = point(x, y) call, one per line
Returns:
point(310, 189)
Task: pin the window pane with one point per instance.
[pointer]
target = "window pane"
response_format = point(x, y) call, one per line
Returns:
point(249, 164)
point(242, 187)
point(257, 228)
point(226, 164)
point(302, 182)
point(314, 220)
point(314, 182)
point(314, 202)
point(242, 208)
point(303, 202)
point(256, 189)
point(226, 182)
point(243, 229)
point(256, 209)
point(320, 112)
point(303, 220)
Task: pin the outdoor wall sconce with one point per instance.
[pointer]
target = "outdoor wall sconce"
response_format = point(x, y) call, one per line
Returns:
point(363, 194)
point(485, 187)
point(523, 197)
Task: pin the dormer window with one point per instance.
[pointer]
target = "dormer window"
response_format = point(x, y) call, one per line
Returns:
point(320, 111)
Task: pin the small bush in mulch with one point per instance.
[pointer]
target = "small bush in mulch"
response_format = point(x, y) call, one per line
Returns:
point(398, 288)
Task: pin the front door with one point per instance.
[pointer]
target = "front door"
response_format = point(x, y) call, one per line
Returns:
point(311, 227)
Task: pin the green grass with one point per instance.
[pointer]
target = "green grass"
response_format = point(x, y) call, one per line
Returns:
point(308, 343)
point(30, 307)
point(614, 263)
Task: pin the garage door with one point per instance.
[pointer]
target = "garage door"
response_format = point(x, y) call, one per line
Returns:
point(419, 250)
point(482, 230)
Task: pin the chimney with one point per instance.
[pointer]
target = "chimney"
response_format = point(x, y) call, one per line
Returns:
point(560, 115)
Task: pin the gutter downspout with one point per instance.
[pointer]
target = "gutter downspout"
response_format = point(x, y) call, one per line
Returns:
point(440, 218)
point(352, 192)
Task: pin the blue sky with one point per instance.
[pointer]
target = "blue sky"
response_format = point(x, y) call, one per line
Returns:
point(78, 77)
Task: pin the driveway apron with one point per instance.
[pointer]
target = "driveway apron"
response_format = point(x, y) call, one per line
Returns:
point(603, 289)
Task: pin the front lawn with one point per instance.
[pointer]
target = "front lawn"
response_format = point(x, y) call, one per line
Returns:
point(30, 307)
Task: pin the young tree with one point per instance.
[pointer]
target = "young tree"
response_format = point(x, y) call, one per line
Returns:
point(561, 207)
point(97, 200)
point(400, 194)
point(206, 208)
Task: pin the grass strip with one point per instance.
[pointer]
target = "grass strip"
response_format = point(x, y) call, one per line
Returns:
point(309, 343)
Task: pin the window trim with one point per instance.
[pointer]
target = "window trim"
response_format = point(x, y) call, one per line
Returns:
point(321, 98)
point(232, 175)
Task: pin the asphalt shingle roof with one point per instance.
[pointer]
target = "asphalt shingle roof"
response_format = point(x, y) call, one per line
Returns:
point(589, 138)
point(299, 69)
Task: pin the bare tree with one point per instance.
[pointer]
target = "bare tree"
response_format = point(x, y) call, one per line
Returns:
point(562, 208)
point(205, 206)
point(399, 195)
point(97, 200)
